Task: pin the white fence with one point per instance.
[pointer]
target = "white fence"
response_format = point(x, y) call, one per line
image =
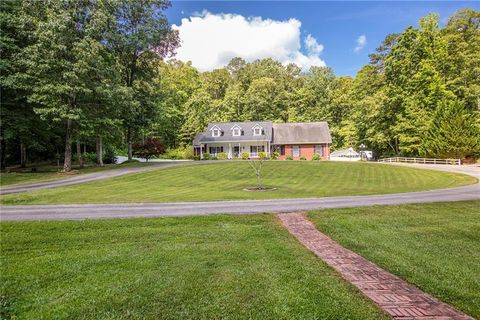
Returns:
point(422, 160)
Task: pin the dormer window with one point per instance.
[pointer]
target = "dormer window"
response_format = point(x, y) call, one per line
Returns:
point(216, 132)
point(236, 131)
point(257, 130)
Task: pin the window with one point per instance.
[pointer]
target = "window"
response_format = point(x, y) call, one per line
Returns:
point(295, 151)
point(215, 133)
point(319, 150)
point(257, 131)
point(236, 132)
point(254, 150)
point(215, 150)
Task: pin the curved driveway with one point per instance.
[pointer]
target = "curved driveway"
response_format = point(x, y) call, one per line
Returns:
point(87, 177)
point(95, 211)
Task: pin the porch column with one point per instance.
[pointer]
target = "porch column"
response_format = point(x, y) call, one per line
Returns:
point(230, 151)
point(201, 151)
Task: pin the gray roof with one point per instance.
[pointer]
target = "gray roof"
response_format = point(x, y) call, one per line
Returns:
point(301, 132)
point(283, 133)
point(197, 139)
point(227, 132)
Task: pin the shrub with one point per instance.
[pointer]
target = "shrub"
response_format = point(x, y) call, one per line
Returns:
point(303, 158)
point(89, 157)
point(185, 152)
point(152, 147)
point(109, 156)
point(275, 155)
point(245, 155)
point(289, 158)
point(316, 156)
point(222, 156)
point(262, 155)
point(207, 156)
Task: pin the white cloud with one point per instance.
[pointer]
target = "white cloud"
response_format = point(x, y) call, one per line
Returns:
point(361, 43)
point(211, 40)
point(313, 47)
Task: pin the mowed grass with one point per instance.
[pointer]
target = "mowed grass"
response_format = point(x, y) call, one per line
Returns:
point(49, 172)
point(214, 267)
point(434, 246)
point(226, 181)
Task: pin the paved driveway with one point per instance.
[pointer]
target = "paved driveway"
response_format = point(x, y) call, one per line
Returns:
point(95, 211)
point(87, 177)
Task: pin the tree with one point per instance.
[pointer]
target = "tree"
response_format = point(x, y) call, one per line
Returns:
point(453, 133)
point(150, 148)
point(177, 81)
point(462, 63)
point(140, 38)
point(197, 115)
point(257, 166)
point(56, 71)
point(260, 100)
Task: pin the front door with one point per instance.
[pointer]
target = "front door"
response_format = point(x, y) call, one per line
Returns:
point(236, 151)
point(296, 151)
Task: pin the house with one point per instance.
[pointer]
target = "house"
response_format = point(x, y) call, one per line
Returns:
point(294, 140)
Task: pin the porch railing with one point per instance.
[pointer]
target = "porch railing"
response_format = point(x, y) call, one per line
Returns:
point(422, 160)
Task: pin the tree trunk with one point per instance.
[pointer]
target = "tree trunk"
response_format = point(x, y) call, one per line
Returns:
point(129, 143)
point(99, 150)
point(3, 146)
point(259, 177)
point(84, 148)
point(67, 163)
point(23, 155)
point(79, 154)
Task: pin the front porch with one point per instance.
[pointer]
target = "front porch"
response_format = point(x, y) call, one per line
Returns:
point(234, 150)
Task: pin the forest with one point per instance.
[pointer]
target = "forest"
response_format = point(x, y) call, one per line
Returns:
point(86, 77)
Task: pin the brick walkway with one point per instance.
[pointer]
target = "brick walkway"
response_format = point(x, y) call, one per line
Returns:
point(396, 297)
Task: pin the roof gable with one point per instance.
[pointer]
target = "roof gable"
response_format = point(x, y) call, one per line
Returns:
point(215, 127)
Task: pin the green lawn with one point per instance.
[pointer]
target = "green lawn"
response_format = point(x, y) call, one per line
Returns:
point(214, 267)
point(50, 172)
point(434, 246)
point(226, 181)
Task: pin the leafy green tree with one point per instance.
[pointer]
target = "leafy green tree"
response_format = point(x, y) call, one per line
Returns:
point(462, 63)
point(56, 71)
point(260, 100)
point(197, 115)
point(141, 36)
point(453, 133)
point(177, 81)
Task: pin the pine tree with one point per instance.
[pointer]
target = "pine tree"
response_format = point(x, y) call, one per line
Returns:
point(454, 132)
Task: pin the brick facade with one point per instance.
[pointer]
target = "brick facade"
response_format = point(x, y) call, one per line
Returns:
point(306, 150)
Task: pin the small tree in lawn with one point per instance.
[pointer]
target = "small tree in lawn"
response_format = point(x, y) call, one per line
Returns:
point(150, 148)
point(257, 165)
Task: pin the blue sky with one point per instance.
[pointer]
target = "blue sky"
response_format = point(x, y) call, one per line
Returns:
point(333, 29)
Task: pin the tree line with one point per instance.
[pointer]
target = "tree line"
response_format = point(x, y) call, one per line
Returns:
point(89, 73)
